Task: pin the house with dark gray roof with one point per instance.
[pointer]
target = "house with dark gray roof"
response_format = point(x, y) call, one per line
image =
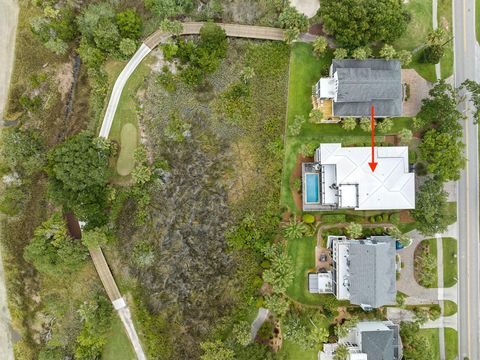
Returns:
point(363, 271)
point(368, 340)
point(353, 86)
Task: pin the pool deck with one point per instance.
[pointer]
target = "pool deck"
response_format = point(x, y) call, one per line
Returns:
point(309, 168)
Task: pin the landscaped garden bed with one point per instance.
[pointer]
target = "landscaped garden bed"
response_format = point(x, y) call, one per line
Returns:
point(425, 259)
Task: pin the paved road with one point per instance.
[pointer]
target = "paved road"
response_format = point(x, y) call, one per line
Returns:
point(8, 26)
point(468, 194)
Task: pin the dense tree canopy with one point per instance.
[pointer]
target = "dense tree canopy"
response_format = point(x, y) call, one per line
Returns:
point(443, 153)
point(294, 22)
point(22, 150)
point(129, 24)
point(53, 251)
point(441, 147)
point(474, 89)
point(202, 57)
point(415, 345)
point(440, 109)
point(167, 8)
point(55, 28)
point(78, 170)
point(360, 22)
point(430, 208)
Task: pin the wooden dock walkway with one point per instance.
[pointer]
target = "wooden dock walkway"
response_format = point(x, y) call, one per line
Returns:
point(232, 30)
point(105, 274)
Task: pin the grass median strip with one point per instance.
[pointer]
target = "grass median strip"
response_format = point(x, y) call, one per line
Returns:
point(449, 262)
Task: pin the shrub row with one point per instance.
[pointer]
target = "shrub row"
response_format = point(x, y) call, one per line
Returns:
point(333, 218)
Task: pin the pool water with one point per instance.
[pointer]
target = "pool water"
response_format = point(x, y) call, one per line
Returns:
point(312, 188)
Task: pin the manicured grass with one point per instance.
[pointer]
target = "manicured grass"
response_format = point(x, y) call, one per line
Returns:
point(414, 37)
point(294, 352)
point(451, 344)
point(432, 335)
point(444, 15)
point(477, 18)
point(118, 345)
point(127, 107)
point(419, 26)
point(305, 71)
point(449, 262)
point(126, 114)
point(302, 252)
point(451, 211)
point(128, 145)
point(449, 308)
point(425, 70)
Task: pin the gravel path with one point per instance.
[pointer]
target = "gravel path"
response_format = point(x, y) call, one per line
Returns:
point(8, 26)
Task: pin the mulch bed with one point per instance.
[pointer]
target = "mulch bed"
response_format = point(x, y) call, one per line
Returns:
point(297, 173)
point(405, 216)
point(391, 139)
point(316, 29)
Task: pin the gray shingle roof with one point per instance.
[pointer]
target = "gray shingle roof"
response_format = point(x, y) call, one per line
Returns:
point(372, 272)
point(362, 83)
point(378, 345)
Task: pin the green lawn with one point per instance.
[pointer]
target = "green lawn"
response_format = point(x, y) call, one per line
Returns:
point(125, 160)
point(292, 351)
point(477, 18)
point(449, 262)
point(414, 36)
point(449, 308)
point(419, 26)
point(444, 16)
point(432, 335)
point(425, 70)
point(451, 344)
point(305, 70)
point(302, 252)
point(118, 345)
point(126, 111)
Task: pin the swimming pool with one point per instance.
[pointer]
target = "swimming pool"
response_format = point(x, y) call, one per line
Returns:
point(312, 194)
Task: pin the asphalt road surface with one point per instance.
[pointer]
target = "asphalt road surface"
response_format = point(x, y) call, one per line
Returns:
point(468, 194)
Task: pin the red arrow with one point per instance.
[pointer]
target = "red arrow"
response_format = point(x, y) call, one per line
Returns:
point(373, 164)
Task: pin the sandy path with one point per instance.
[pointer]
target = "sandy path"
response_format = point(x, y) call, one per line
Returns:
point(8, 27)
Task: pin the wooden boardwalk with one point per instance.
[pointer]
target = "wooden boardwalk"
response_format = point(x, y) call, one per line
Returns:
point(232, 30)
point(104, 273)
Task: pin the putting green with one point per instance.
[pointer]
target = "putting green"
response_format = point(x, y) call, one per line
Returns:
point(128, 144)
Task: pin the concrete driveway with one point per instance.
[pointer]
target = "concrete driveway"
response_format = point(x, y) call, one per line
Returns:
point(418, 88)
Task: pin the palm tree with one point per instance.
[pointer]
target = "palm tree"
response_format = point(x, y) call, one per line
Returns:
point(294, 230)
point(341, 352)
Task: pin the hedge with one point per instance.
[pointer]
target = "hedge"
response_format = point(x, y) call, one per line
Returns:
point(395, 218)
point(333, 218)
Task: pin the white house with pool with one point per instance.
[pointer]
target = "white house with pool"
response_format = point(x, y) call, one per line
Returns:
point(340, 178)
